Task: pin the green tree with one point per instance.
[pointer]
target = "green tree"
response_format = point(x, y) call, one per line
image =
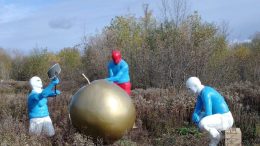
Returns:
point(70, 61)
point(36, 64)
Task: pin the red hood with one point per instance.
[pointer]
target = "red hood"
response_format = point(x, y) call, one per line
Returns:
point(116, 56)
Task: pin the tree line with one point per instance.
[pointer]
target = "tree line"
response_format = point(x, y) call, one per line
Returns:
point(160, 53)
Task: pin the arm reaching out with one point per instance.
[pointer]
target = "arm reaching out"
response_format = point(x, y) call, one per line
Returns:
point(47, 92)
point(54, 93)
point(110, 72)
point(118, 75)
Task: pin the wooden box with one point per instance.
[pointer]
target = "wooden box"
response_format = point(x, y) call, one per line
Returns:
point(233, 137)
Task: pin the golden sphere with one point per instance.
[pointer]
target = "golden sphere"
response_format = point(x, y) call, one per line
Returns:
point(102, 110)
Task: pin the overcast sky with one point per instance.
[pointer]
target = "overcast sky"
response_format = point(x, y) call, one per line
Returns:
point(55, 24)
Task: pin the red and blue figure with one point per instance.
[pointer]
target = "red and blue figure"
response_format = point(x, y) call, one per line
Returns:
point(118, 71)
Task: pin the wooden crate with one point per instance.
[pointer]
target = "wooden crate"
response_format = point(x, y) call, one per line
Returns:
point(233, 137)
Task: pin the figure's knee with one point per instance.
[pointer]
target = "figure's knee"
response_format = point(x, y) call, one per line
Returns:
point(203, 125)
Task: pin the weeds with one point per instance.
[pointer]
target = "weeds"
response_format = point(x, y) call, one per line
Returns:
point(163, 118)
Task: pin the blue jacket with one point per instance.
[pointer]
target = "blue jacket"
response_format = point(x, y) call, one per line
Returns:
point(211, 102)
point(37, 102)
point(118, 73)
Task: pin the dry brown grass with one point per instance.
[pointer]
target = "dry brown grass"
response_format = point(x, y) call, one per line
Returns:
point(163, 118)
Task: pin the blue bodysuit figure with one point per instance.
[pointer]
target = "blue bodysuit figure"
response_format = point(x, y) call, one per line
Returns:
point(118, 71)
point(40, 121)
point(211, 112)
point(205, 101)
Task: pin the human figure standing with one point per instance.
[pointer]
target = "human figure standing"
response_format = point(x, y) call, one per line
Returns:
point(40, 121)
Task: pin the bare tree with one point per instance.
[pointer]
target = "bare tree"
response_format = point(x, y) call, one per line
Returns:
point(174, 11)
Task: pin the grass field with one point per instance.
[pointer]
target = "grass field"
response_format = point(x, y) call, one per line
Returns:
point(163, 117)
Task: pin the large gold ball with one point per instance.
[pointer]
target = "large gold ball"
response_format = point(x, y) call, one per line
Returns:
point(102, 110)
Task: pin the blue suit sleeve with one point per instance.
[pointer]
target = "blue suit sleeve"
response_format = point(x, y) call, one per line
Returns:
point(48, 90)
point(197, 111)
point(110, 72)
point(207, 104)
point(118, 75)
point(54, 94)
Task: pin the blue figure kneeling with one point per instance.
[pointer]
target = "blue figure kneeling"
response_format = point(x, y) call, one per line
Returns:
point(211, 113)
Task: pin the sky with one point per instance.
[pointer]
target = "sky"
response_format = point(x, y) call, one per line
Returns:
point(55, 24)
